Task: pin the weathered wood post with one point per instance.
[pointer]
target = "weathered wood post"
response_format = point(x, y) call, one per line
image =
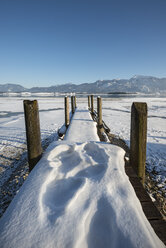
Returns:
point(92, 105)
point(99, 112)
point(89, 102)
point(75, 101)
point(32, 125)
point(100, 128)
point(67, 118)
point(72, 104)
point(138, 137)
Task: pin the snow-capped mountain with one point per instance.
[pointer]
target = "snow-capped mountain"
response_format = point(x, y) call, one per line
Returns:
point(141, 84)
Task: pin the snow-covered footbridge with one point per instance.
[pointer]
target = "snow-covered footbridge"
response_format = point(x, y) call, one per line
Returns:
point(79, 195)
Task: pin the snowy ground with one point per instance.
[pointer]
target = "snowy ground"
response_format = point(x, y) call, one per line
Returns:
point(13, 154)
point(12, 127)
point(116, 114)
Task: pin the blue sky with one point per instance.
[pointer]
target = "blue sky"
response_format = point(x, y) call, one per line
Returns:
point(48, 42)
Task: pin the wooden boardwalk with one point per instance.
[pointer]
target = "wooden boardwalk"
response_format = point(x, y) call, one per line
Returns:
point(82, 127)
point(150, 210)
point(153, 215)
point(80, 118)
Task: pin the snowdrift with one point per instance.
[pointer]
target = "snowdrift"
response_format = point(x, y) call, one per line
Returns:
point(78, 195)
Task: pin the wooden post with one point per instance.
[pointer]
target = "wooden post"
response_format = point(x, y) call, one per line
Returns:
point(100, 128)
point(32, 125)
point(75, 101)
point(72, 104)
point(99, 112)
point(89, 102)
point(138, 137)
point(67, 118)
point(92, 105)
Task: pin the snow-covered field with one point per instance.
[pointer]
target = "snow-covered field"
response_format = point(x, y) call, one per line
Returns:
point(116, 114)
point(12, 128)
point(13, 154)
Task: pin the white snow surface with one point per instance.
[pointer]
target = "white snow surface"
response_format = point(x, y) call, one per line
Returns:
point(82, 127)
point(12, 124)
point(78, 195)
point(12, 128)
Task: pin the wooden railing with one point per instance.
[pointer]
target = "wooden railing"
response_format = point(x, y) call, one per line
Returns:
point(138, 133)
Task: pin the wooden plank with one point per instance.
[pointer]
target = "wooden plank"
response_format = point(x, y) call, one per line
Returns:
point(151, 211)
point(142, 195)
point(130, 172)
point(135, 182)
point(159, 227)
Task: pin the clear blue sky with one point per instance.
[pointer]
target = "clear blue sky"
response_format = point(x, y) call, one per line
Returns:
point(48, 42)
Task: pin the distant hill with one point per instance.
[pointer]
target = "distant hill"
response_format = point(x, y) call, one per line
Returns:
point(140, 84)
point(11, 88)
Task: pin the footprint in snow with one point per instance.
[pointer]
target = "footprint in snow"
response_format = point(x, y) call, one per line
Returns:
point(58, 194)
point(66, 156)
point(103, 229)
point(70, 159)
point(96, 153)
point(99, 160)
point(94, 172)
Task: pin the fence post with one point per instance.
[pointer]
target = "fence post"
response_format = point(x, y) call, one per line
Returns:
point(67, 118)
point(72, 104)
point(89, 102)
point(32, 125)
point(92, 105)
point(138, 137)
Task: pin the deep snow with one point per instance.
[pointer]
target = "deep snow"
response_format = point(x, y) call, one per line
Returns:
point(78, 195)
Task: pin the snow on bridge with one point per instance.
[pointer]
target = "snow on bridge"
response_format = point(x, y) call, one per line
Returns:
point(82, 127)
point(78, 195)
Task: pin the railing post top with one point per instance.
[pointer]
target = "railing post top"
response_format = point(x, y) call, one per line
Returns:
point(140, 107)
point(29, 101)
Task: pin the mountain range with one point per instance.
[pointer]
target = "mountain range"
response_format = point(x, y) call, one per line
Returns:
point(136, 84)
